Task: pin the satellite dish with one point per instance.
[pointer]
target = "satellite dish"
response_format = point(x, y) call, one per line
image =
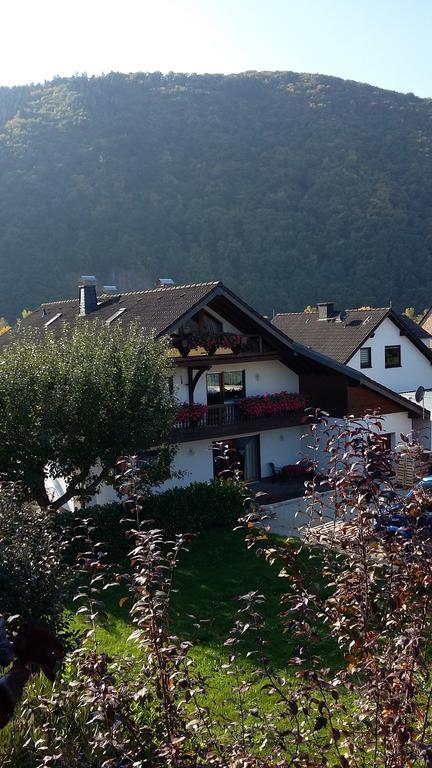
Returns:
point(342, 316)
point(419, 395)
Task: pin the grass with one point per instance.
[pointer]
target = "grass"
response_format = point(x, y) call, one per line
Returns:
point(217, 569)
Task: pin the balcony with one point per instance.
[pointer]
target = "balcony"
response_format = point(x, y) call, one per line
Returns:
point(227, 420)
point(189, 346)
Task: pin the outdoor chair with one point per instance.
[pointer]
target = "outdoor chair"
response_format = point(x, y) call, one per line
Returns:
point(277, 473)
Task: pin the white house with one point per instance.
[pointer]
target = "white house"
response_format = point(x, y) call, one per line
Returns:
point(388, 347)
point(225, 352)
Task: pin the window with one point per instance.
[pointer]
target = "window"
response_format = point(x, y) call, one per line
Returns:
point(392, 356)
point(366, 357)
point(225, 387)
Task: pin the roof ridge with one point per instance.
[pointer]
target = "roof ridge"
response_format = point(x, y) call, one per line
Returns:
point(315, 311)
point(165, 288)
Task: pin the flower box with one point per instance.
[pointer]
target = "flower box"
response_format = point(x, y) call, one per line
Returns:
point(191, 415)
point(269, 405)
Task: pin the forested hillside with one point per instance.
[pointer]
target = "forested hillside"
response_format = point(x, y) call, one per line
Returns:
point(291, 188)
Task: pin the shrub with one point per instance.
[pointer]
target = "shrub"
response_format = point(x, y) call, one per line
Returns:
point(198, 507)
point(34, 581)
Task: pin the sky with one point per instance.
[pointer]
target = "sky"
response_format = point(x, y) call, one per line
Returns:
point(383, 42)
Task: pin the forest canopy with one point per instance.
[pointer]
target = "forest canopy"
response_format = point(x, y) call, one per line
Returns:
point(291, 188)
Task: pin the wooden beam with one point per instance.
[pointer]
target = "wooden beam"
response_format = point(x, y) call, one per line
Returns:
point(193, 379)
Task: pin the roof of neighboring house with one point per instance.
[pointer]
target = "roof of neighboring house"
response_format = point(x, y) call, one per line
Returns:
point(426, 321)
point(341, 338)
point(416, 329)
point(161, 310)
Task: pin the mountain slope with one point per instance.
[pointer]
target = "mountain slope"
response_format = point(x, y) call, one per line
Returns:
point(291, 188)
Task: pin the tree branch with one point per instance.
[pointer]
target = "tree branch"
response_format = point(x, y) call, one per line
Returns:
point(89, 489)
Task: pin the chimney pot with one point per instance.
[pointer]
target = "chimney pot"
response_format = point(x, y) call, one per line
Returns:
point(87, 295)
point(325, 310)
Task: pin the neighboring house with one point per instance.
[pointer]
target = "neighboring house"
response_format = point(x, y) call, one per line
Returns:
point(256, 358)
point(425, 326)
point(389, 348)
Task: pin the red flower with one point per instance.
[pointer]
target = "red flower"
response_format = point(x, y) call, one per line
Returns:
point(270, 404)
point(189, 414)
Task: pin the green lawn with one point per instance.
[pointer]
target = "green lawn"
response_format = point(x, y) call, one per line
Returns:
point(212, 574)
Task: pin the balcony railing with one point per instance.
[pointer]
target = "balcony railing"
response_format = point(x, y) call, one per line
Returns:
point(190, 346)
point(220, 418)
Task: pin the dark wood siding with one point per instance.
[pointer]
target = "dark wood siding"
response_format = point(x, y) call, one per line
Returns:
point(361, 399)
point(325, 391)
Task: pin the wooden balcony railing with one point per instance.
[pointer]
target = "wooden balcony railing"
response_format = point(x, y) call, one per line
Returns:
point(220, 418)
point(249, 344)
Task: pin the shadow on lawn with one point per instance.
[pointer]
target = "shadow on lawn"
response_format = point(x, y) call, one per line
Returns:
point(217, 569)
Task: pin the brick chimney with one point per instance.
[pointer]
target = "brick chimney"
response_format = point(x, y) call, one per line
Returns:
point(325, 310)
point(87, 295)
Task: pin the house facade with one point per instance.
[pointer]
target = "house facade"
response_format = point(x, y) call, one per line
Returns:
point(387, 347)
point(249, 384)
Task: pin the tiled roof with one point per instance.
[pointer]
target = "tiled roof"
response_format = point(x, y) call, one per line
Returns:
point(336, 338)
point(161, 309)
point(415, 328)
point(341, 338)
point(155, 310)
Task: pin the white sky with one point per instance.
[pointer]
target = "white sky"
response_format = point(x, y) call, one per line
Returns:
point(384, 42)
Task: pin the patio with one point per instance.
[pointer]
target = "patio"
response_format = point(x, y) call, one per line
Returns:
point(278, 490)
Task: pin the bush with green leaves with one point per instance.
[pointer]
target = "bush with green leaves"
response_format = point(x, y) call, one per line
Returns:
point(34, 580)
point(197, 507)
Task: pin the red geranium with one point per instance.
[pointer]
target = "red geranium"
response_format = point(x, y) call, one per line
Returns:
point(268, 405)
point(191, 414)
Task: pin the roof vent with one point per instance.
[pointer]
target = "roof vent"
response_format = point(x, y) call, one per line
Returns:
point(110, 289)
point(115, 315)
point(342, 316)
point(87, 295)
point(165, 282)
point(53, 319)
point(325, 310)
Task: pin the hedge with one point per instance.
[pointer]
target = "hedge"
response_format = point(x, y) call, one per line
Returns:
point(197, 507)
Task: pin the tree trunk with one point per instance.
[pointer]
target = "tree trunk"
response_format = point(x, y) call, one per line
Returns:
point(38, 491)
point(74, 489)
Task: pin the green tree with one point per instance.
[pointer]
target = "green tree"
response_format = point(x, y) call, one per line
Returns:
point(74, 401)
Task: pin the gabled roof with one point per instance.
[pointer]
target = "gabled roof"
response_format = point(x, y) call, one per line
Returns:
point(426, 321)
point(155, 310)
point(161, 310)
point(416, 329)
point(340, 339)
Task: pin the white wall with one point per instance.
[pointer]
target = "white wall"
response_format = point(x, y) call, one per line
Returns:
point(56, 487)
point(422, 433)
point(262, 376)
point(415, 368)
point(287, 445)
point(397, 423)
point(282, 446)
point(195, 461)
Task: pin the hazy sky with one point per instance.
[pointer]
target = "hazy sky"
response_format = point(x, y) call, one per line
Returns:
point(383, 42)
